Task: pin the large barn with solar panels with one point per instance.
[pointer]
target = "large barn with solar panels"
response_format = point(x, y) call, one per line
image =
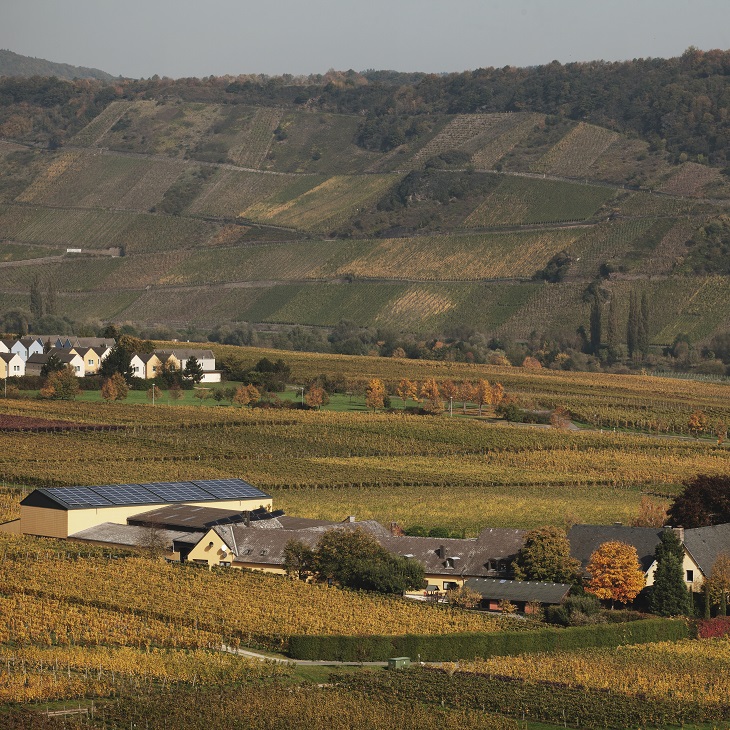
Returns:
point(65, 511)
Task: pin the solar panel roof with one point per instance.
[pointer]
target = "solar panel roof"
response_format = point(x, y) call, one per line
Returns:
point(117, 495)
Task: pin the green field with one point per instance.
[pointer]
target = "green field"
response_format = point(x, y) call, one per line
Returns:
point(324, 207)
point(520, 200)
point(109, 181)
point(138, 233)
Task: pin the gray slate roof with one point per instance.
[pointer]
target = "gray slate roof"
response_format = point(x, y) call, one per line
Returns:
point(131, 535)
point(263, 542)
point(704, 544)
point(465, 556)
point(585, 539)
point(512, 590)
point(266, 546)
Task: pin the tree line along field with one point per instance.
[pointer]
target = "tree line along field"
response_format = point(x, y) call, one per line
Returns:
point(395, 466)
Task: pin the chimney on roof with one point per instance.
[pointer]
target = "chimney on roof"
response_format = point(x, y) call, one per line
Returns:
point(442, 551)
point(680, 533)
point(396, 530)
point(350, 518)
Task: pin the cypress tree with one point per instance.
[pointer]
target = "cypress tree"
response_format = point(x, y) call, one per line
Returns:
point(669, 596)
point(642, 335)
point(36, 298)
point(51, 299)
point(612, 327)
point(632, 326)
point(596, 325)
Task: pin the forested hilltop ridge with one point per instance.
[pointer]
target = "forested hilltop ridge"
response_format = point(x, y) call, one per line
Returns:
point(14, 64)
point(575, 213)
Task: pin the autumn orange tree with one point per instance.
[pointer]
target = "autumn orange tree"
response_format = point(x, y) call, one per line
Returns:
point(375, 394)
point(615, 573)
point(317, 397)
point(114, 388)
point(697, 423)
point(450, 391)
point(61, 385)
point(406, 389)
point(498, 394)
point(246, 394)
point(466, 393)
point(719, 582)
point(430, 394)
point(482, 394)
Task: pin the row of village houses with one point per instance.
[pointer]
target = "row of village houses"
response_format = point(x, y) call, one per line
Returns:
point(28, 355)
point(229, 523)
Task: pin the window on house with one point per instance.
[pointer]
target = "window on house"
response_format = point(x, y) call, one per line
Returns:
point(78, 368)
point(16, 368)
point(154, 368)
point(690, 576)
point(90, 362)
point(449, 562)
point(449, 585)
point(225, 563)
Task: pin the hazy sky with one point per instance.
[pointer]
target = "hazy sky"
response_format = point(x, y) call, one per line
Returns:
point(139, 38)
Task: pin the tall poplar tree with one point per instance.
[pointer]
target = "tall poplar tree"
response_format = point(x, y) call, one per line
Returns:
point(596, 325)
point(612, 336)
point(642, 339)
point(632, 325)
point(36, 298)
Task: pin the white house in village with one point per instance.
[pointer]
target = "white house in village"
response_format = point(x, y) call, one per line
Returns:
point(11, 365)
point(35, 363)
point(27, 346)
point(180, 357)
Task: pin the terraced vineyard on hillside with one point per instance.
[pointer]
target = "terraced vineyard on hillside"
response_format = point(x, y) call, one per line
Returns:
point(276, 215)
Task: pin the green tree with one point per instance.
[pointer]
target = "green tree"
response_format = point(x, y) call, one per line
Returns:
point(119, 360)
point(52, 365)
point(51, 303)
point(704, 501)
point(545, 556)
point(355, 559)
point(298, 560)
point(669, 595)
point(36, 298)
point(595, 325)
point(642, 334)
point(193, 370)
point(612, 335)
point(632, 326)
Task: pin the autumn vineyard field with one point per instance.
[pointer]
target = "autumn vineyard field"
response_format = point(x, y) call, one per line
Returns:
point(232, 202)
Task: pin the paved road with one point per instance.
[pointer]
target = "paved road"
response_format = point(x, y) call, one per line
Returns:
point(303, 662)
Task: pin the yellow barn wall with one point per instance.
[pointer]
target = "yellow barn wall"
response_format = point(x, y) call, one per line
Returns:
point(62, 523)
point(42, 521)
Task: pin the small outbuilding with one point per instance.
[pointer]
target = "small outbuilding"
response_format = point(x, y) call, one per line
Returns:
point(523, 594)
